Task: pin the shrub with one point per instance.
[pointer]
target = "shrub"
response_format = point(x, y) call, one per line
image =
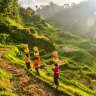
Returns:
point(4, 38)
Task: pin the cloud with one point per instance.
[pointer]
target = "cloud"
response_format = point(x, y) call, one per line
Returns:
point(33, 3)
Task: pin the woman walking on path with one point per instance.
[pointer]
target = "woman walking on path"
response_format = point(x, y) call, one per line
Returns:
point(56, 74)
point(36, 64)
point(55, 57)
point(36, 51)
point(27, 61)
point(26, 49)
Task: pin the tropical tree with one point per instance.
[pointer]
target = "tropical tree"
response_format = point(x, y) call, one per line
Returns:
point(6, 6)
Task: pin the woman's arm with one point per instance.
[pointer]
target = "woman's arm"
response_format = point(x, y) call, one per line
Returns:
point(25, 59)
point(53, 69)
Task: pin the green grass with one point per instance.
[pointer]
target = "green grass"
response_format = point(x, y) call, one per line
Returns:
point(5, 80)
point(5, 84)
point(75, 88)
point(5, 93)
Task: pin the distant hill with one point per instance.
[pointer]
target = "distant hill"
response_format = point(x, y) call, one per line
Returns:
point(79, 19)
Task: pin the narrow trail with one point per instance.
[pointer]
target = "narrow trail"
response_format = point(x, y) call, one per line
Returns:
point(22, 83)
point(67, 48)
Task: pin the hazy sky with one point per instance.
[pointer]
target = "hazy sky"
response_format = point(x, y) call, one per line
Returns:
point(32, 3)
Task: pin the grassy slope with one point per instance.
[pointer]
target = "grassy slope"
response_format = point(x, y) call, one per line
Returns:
point(67, 89)
point(46, 37)
point(5, 85)
point(83, 59)
point(12, 31)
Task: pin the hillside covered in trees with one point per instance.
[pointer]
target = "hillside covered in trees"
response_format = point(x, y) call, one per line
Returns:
point(79, 19)
point(77, 63)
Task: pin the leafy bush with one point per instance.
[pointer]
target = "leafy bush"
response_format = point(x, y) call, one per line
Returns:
point(4, 38)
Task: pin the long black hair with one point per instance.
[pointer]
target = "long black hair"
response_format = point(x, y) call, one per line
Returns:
point(56, 64)
point(27, 55)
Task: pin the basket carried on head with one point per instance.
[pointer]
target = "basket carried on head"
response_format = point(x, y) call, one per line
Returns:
point(26, 46)
point(36, 51)
point(55, 56)
point(26, 49)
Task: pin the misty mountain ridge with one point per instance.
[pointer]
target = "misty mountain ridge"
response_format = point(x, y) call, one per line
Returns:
point(79, 19)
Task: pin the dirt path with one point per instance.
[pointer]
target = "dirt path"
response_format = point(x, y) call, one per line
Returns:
point(22, 83)
point(67, 48)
